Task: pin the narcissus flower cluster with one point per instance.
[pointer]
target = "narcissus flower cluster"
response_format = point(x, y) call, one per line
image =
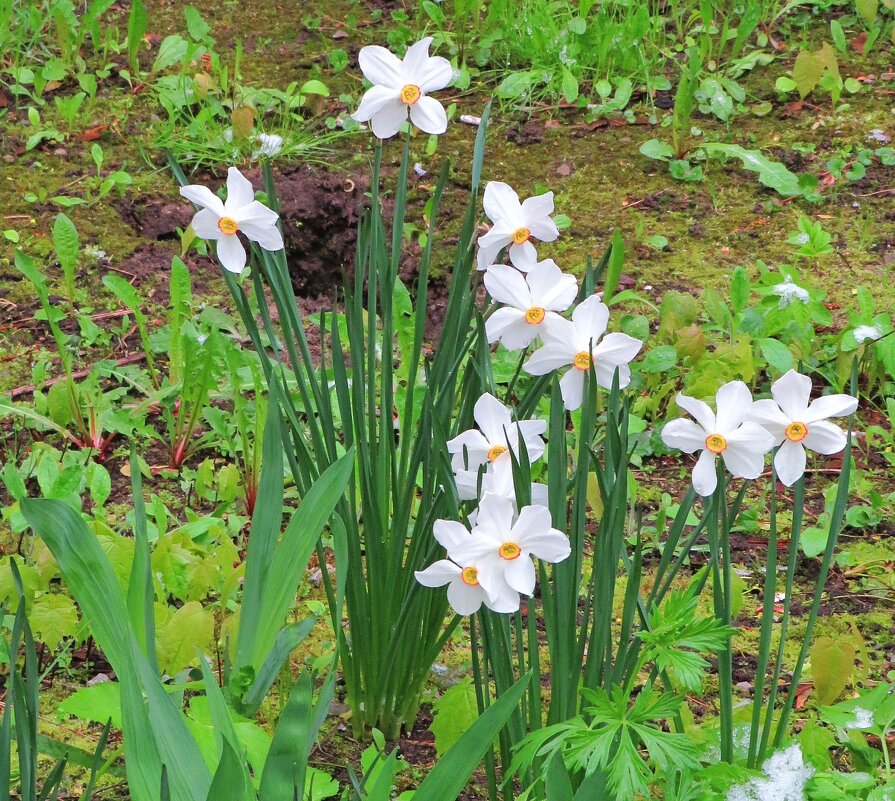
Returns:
point(742, 431)
point(492, 564)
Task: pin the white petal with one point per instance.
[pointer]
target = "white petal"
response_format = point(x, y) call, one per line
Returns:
point(239, 193)
point(429, 115)
point(495, 517)
point(572, 387)
point(414, 62)
point(436, 74)
point(698, 410)
point(205, 224)
point(507, 285)
point(684, 435)
point(534, 533)
point(543, 230)
point(259, 224)
point(520, 575)
point(503, 319)
point(374, 100)
point(519, 334)
point(705, 479)
point(548, 358)
point(559, 331)
point(733, 404)
point(537, 207)
point(492, 417)
point(503, 598)
point(591, 317)
point(790, 462)
point(768, 414)
point(388, 120)
point(502, 203)
point(437, 574)
point(792, 391)
point(449, 534)
point(550, 287)
point(464, 599)
point(617, 349)
point(751, 437)
point(467, 482)
point(741, 461)
point(524, 256)
point(825, 438)
point(381, 66)
point(474, 444)
point(204, 197)
point(606, 375)
point(488, 250)
point(231, 253)
point(830, 406)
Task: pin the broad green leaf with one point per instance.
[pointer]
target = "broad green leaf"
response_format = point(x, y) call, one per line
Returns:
point(449, 775)
point(137, 23)
point(658, 150)
point(190, 628)
point(832, 664)
point(776, 354)
point(97, 703)
point(53, 617)
point(772, 174)
point(454, 713)
point(660, 359)
point(807, 72)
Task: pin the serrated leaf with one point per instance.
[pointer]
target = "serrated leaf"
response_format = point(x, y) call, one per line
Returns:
point(53, 617)
point(832, 664)
point(189, 629)
point(454, 713)
point(65, 243)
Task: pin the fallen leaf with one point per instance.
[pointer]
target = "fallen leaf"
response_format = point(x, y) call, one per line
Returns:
point(859, 42)
point(92, 133)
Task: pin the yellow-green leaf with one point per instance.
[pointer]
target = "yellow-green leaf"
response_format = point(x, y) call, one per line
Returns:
point(832, 664)
point(189, 629)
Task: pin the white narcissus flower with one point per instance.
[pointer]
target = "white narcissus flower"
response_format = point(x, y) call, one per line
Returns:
point(501, 545)
point(578, 343)
point(465, 593)
point(496, 436)
point(742, 444)
point(796, 423)
point(222, 220)
point(515, 225)
point(533, 301)
point(401, 87)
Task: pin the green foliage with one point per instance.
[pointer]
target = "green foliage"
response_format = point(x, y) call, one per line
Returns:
point(453, 714)
point(832, 665)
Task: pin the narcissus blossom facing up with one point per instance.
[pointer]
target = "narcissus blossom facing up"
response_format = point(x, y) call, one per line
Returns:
point(465, 592)
point(401, 88)
point(223, 220)
point(577, 343)
point(515, 225)
point(501, 545)
point(496, 436)
point(740, 443)
point(796, 423)
point(533, 301)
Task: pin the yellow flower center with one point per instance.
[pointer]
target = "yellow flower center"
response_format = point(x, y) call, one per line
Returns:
point(228, 225)
point(470, 576)
point(496, 450)
point(410, 94)
point(509, 551)
point(582, 360)
point(715, 443)
point(521, 236)
point(535, 315)
point(796, 432)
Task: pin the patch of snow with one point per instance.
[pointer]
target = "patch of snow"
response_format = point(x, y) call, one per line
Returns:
point(865, 332)
point(785, 777)
point(790, 292)
point(863, 719)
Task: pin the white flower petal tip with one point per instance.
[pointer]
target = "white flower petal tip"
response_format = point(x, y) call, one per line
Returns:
point(401, 89)
point(221, 221)
point(740, 443)
point(515, 226)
